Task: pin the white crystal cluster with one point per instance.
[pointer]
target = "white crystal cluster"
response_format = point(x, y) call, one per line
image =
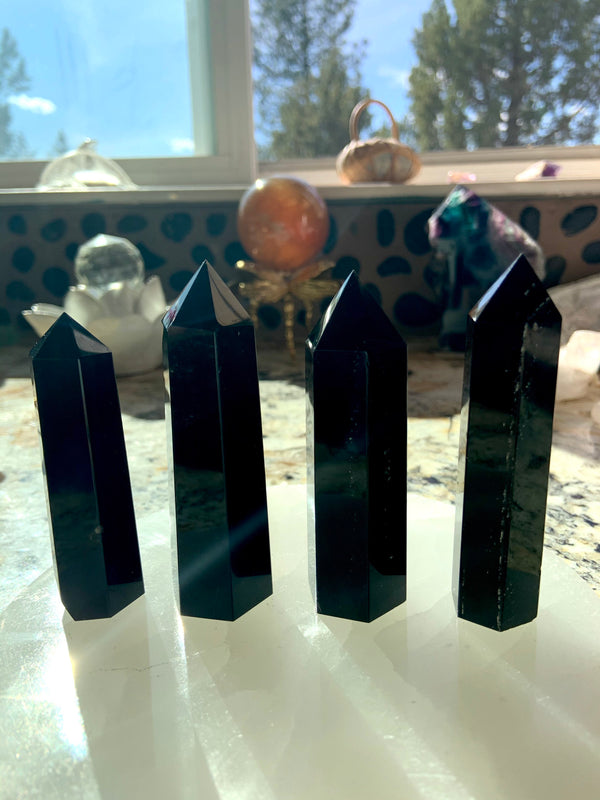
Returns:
point(114, 303)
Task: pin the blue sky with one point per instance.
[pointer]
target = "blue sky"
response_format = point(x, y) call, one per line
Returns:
point(117, 71)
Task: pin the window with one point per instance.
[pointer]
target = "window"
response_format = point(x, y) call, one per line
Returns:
point(165, 87)
point(168, 94)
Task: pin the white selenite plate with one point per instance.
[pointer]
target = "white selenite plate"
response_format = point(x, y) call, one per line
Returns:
point(287, 704)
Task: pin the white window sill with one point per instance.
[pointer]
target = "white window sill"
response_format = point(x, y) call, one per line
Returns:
point(495, 171)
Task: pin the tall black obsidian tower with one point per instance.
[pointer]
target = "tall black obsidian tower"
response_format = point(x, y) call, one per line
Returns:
point(220, 505)
point(356, 437)
point(96, 554)
point(513, 338)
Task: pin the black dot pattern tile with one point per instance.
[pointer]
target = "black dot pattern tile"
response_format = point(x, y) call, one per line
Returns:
point(269, 316)
point(413, 310)
point(176, 226)
point(131, 223)
point(215, 224)
point(591, 253)
point(178, 280)
point(54, 230)
point(17, 224)
point(151, 260)
point(415, 233)
point(332, 236)
point(394, 265)
point(578, 220)
point(555, 267)
point(17, 290)
point(202, 253)
point(23, 259)
point(56, 280)
point(234, 252)
point(529, 220)
point(385, 242)
point(93, 224)
point(71, 250)
point(386, 227)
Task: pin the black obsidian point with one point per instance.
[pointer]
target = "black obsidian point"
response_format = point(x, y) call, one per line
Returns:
point(513, 339)
point(222, 537)
point(95, 545)
point(356, 439)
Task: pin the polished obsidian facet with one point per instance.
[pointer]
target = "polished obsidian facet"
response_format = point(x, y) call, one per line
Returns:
point(220, 506)
point(96, 552)
point(506, 434)
point(356, 438)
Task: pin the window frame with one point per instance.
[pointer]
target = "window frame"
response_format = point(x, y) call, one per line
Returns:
point(228, 51)
point(229, 57)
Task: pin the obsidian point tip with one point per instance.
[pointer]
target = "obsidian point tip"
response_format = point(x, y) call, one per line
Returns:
point(519, 280)
point(353, 320)
point(206, 302)
point(66, 338)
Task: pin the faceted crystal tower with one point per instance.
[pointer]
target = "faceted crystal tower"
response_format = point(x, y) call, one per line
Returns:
point(356, 438)
point(96, 553)
point(220, 505)
point(506, 433)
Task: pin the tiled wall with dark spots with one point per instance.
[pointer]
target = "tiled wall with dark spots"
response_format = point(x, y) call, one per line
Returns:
point(385, 242)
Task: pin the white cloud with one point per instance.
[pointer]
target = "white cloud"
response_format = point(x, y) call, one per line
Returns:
point(38, 105)
point(181, 146)
point(399, 77)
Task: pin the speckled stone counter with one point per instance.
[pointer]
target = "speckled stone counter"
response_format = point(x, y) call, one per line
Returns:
point(435, 382)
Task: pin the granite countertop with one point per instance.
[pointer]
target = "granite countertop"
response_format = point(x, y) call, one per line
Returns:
point(434, 387)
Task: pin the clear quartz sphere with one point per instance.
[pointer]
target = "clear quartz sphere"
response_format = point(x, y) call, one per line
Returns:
point(105, 260)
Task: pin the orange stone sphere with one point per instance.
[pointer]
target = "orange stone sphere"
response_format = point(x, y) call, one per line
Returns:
point(283, 223)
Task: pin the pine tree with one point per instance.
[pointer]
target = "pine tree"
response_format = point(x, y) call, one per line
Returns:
point(13, 79)
point(506, 72)
point(60, 146)
point(307, 80)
